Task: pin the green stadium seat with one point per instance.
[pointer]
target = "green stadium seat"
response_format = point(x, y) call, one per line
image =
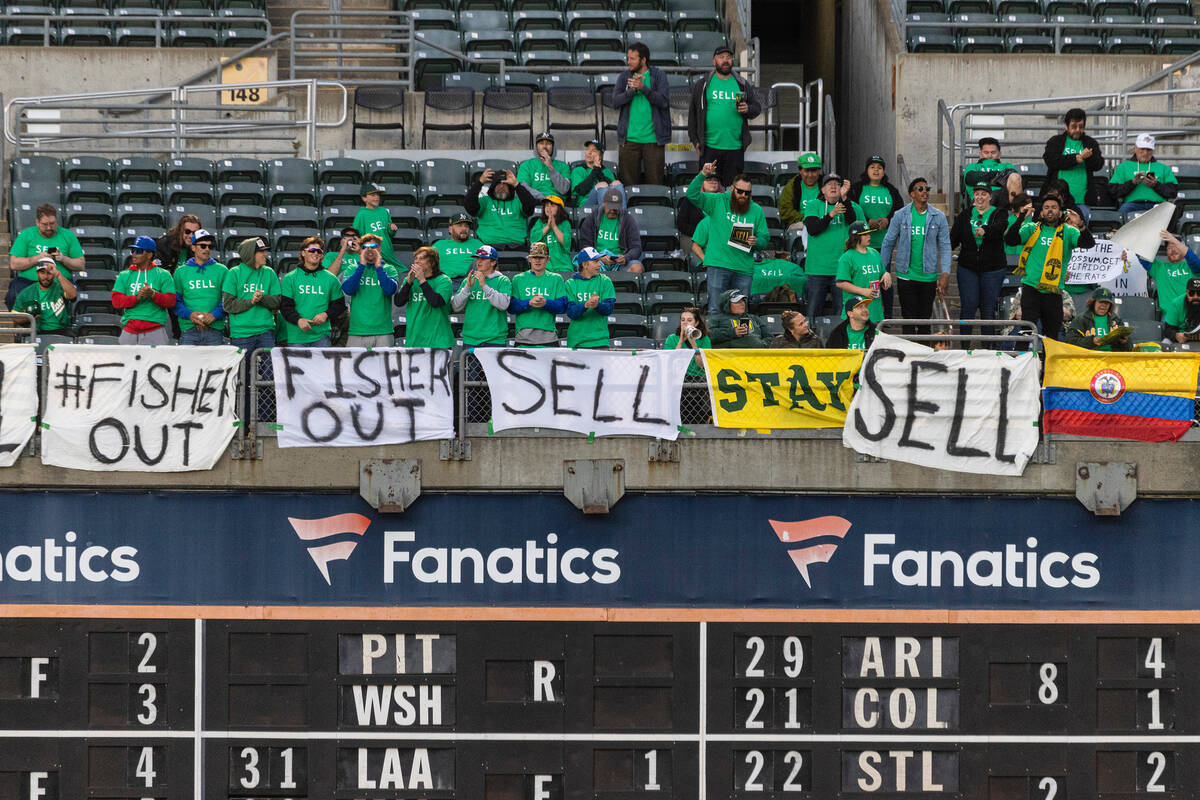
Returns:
point(603, 59)
point(416, 5)
point(649, 195)
point(205, 212)
point(622, 326)
point(87, 214)
point(954, 7)
point(1158, 8)
point(86, 34)
point(141, 215)
point(96, 236)
point(454, 111)
point(700, 42)
point(348, 171)
point(629, 303)
point(680, 173)
point(667, 281)
point(1128, 45)
point(430, 19)
point(391, 170)
point(924, 7)
point(599, 42)
point(139, 192)
point(975, 43)
point(513, 105)
point(189, 169)
point(1072, 24)
point(590, 21)
point(35, 169)
point(1188, 175)
point(440, 216)
point(932, 43)
point(82, 192)
point(539, 58)
point(537, 20)
point(1030, 43)
point(243, 215)
point(536, 5)
point(475, 81)
point(1119, 23)
point(1179, 43)
point(657, 227)
point(1077, 43)
point(236, 193)
point(337, 217)
point(1117, 8)
point(479, 42)
point(88, 168)
point(240, 169)
point(1053, 7)
point(1005, 7)
point(543, 40)
point(645, 21)
point(293, 217)
point(572, 80)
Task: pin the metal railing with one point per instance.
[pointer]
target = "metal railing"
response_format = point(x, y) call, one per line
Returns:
point(1062, 31)
point(122, 122)
point(49, 23)
point(1020, 336)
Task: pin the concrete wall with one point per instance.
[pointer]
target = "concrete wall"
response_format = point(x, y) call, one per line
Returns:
point(865, 102)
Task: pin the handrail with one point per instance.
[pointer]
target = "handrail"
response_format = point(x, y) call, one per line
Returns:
point(1021, 330)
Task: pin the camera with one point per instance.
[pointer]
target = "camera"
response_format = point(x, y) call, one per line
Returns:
point(51, 250)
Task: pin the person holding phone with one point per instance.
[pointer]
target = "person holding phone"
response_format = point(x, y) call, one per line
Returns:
point(734, 326)
point(500, 204)
point(1142, 182)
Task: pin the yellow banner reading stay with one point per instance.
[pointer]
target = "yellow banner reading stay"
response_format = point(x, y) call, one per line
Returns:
point(781, 388)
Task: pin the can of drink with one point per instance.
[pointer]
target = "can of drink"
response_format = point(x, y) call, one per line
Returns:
point(875, 287)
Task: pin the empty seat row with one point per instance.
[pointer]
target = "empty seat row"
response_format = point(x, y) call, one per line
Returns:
point(571, 22)
point(67, 7)
point(1045, 43)
point(562, 6)
point(1050, 8)
point(100, 34)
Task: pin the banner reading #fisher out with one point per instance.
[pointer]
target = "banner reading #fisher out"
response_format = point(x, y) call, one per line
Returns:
point(140, 409)
point(773, 389)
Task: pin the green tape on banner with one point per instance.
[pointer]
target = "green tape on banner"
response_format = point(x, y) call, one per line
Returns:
point(682, 429)
point(49, 347)
point(45, 425)
point(275, 426)
point(237, 424)
point(592, 437)
point(491, 430)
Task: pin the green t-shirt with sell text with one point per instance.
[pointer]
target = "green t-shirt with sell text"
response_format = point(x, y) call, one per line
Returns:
point(50, 306)
point(500, 221)
point(857, 340)
point(483, 323)
point(525, 286)
point(1126, 171)
point(606, 235)
point(591, 329)
point(580, 174)
point(694, 370)
point(641, 123)
point(722, 122)
point(1037, 256)
point(560, 252)
point(824, 249)
point(312, 292)
point(1171, 280)
point(349, 262)
point(30, 242)
point(242, 282)
point(1076, 176)
point(424, 325)
point(370, 308)
point(534, 173)
point(773, 272)
point(876, 203)
point(916, 255)
point(861, 269)
point(200, 290)
point(379, 222)
point(456, 258)
point(130, 281)
point(721, 219)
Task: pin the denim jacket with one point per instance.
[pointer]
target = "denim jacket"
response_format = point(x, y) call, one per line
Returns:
point(898, 239)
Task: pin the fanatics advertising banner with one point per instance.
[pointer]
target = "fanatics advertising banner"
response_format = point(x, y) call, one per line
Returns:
point(598, 392)
point(139, 409)
point(18, 400)
point(767, 389)
point(355, 397)
point(953, 409)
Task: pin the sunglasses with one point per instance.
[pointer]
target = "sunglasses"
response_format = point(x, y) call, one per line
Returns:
point(202, 245)
point(920, 188)
point(1193, 294)
point(313, 250)
point(137, 251)
point(741, 191)
point(370, 246)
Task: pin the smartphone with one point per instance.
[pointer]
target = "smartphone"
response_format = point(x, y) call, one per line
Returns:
point(744, 321)
point(51, 250)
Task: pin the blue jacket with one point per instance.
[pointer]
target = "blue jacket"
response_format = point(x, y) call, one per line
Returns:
point(660, 105)
point(898, 239)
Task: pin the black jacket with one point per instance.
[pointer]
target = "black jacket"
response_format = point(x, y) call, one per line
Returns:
point(697, 110)
point(1055, 159)
point(987, 255)
point(840, 340)
point(521, 192)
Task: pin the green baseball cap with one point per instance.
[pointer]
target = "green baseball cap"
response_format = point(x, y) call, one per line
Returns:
point(809, 161)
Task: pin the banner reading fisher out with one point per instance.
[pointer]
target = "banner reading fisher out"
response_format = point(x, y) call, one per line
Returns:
point(586, 391)
point(767, 389)
point(18, 400)
point(955, 410)
point(356, 397)
point(141, 409)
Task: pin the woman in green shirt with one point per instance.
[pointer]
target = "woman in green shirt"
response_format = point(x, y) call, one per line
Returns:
point(553, 228)
point(692, 333)
point(427, 317)
point(860, 270)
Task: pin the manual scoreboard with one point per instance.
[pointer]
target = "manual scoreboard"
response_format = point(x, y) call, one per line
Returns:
point(565, 710)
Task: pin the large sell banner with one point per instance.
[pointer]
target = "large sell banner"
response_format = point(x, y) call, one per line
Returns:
point(768, 389)
point(586, 391)
point(18, 400)
point(139, 409)
point(953, 409)
point(355, 396)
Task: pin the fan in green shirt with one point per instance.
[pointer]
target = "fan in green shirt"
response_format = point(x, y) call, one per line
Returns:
point(344, 260)
point(537, 295)
point(722, 120)
point(425, 293)
point(1039, 238)
point(374, 218)
point(592, 174)
point(1171, 277)
point(312, 295)
point(725, 210)
point(49, 299)
point(860, 270)
point(590, 299)
point(1142, 182)
point(198, 293)
point(828, 220)
point(44, 237)
point(553, 228)
point(143, 292)
point(987, 169)
point(772, 272)
point(485, 295)
point(370, 288)
point(502, 204)
point(457, 253)
point(692, 334)
point(250, 293)
point(542, 173)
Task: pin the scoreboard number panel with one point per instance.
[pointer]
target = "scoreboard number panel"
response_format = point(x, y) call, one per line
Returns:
point(125, 709)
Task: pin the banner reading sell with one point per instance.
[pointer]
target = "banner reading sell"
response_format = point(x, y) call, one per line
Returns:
point(953, 409)
point(139, 409)
point(355, 397)
point(606, 393)
point(781, 388)
point(18, 400)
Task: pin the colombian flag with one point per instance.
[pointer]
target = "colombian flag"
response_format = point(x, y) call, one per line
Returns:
point(1143, 396)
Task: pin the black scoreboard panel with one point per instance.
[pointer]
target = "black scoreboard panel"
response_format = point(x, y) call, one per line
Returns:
point(567, 710)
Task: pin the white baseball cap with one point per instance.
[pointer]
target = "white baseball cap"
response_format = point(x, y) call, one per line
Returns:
point(1144, 140)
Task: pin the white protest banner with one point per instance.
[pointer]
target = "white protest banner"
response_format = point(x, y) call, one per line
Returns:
point(1140, 235)
point(140, 409)
point(18, 399)
point(355, 397)
point(1099, 264)
point(1131, 280)
point(587, 391)
point(955, 410)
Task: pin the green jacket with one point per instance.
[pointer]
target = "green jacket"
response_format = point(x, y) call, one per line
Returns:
point(721, 328)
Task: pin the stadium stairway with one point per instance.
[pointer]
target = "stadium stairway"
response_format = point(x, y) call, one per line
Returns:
point(280, 14)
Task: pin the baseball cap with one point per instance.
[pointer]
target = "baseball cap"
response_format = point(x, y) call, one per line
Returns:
point(594, 143)
point(544, 136)
point(1103, 293)
point(370, 188)
point(854, 301)
point(487, 251)
point(723, 49)
point(462, 216)
point(833, 176)
point(876, 160)
point(1144, 140)
point(1193, 285)
point(736, 296)
point(553, 198)
point(586, 254)
point(809, 161)
point(45, 262)
point(612, 198)
point(857, 227)
point(539, 249)
point(981, 185)
point(144, 243)
point(201, 235)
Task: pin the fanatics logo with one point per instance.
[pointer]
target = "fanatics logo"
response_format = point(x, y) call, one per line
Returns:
point(315, 529)
point(805, 531)
point(1107, 386)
